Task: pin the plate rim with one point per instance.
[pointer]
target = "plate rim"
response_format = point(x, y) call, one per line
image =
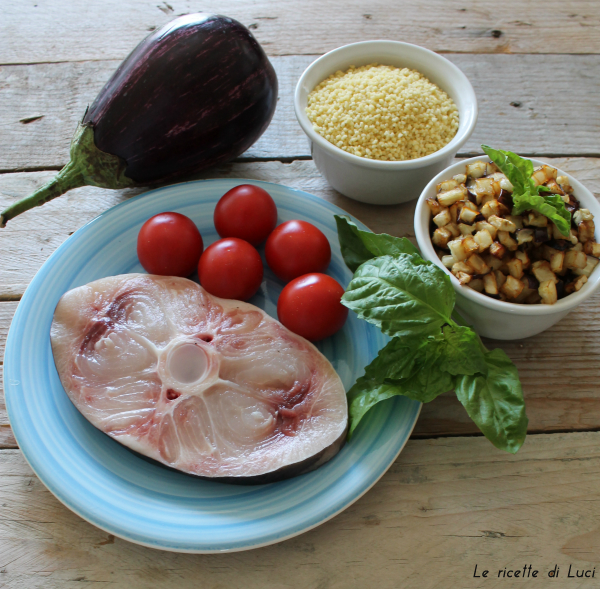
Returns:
point(50, 484)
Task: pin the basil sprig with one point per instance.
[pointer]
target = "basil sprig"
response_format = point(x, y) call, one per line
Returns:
point(526, 195)
point(412, 301)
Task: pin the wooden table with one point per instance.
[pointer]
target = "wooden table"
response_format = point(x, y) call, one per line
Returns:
point(451, 501)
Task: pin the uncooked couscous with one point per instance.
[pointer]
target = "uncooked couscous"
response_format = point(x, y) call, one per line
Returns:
point(383, 112)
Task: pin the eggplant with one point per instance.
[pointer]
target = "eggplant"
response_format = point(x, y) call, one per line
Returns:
point(196, 93)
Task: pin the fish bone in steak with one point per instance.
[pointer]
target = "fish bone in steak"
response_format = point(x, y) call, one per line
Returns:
point(211, 387)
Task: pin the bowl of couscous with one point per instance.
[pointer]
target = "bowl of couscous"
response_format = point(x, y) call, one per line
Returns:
point(384, 117)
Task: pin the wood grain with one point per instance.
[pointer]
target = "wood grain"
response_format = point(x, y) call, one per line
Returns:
point(443, 507)
point(40, 106)
point(75, 30)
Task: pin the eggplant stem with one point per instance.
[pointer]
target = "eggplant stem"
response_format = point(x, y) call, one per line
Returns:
point(69, 177)
point(89, 166)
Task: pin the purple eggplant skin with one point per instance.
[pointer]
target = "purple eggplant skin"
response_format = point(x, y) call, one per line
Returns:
point(196, 93)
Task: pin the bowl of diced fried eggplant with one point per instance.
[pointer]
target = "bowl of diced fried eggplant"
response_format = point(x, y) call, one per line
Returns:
point(515, 275)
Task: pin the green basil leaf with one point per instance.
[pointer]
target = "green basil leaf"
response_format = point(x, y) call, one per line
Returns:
point(517, 169)
point(403, 295)
point(412, 372)
point(360, 246)
point(463, 353)
point(353, 249)
point(366, 394)
point(551, 206)
point(495, 403)
point(396, 360)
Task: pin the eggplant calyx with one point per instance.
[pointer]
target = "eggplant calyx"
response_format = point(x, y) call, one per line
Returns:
point(88, 166)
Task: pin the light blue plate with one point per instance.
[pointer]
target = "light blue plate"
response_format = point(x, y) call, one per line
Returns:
point(124, 494)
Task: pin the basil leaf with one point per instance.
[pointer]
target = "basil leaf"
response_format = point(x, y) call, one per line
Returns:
point(364, 395)
point(395, 361)
point(551, 206)
point(403, 295)
point(526, 195)
point(353, 249)
point(413, 372)
point(464, 353)
point(360, 246)
point(495, 403)
point(517, 169)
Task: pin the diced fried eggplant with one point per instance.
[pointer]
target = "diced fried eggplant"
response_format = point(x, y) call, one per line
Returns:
point(490, 208)
point(524, 258)
point(484, 240)
point(470, 245)
point(531, 282)
point(553, 186)
point(453, 228)
point(451, 196)
point(448, 261)
point(542, 271)
point(460, 178)
point(575, 260)
point(477, 264)
point(534, 219)
point(512, 287)
point(467, 215)
point(492, 261)
point(515, 268)
point(524, 236)
point(534, 298)
point(476, 284)
point(502, 224)
point(516, 219)
point(462, 267)
point(484, 187)
point(589, 267)
point(544, 173)
point(500, 278)
point(466, 229)
point(507, 241)
point(456, 249)
point(547, 291)
point(447, 185)
point(442, 218)
point(591, 248)
point(541, 234)
point(564, 183)
point(582, 215)
point(573, 237)
point(557, 262)
point(491, 168)
point(455, 210)
point(576, 284)
point(434, 206)
point(485, 226)
point(463, 278)
point(497, 250)
point(489, 284)
point(476, 169)
point(586, 230)
point(441, 236)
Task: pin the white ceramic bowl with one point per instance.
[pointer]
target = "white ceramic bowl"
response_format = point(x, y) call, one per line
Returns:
point(374, 181)
point(490, 317)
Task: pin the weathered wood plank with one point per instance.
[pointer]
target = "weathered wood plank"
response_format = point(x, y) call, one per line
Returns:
point(443, 507)
point(518, 114)
point(63, 30)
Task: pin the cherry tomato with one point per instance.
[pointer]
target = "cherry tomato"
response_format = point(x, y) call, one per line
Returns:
point(169, 244)
point(231, 269)
point(296, 248)
point(310, 306)
point(247, 212)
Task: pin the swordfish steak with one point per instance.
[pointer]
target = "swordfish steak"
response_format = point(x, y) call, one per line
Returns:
point(209, 386)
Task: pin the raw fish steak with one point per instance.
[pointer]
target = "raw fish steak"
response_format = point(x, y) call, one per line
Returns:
point(208, 386)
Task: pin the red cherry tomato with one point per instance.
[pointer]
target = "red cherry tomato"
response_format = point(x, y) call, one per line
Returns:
point(296, 248)
point(231, 269)
point(247, 212)
point(169, 244)
point(310, 306)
